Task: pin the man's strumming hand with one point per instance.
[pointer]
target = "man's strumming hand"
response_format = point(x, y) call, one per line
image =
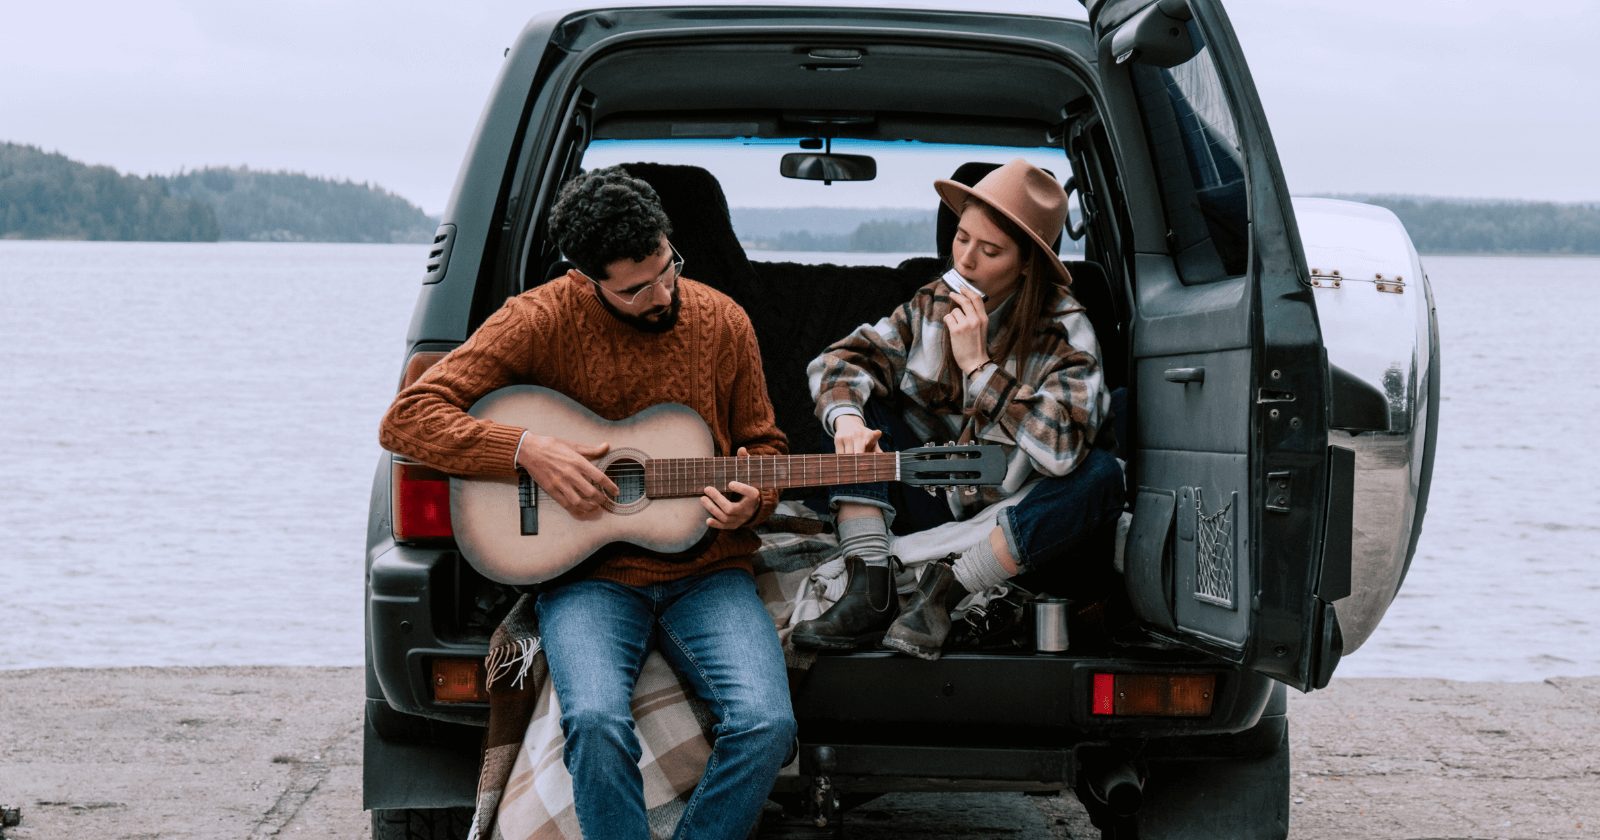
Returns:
point(567, 472)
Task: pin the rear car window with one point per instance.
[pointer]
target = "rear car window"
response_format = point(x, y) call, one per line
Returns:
point(842, 222)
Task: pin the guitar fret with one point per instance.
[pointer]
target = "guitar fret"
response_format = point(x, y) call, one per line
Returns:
point(680, 477)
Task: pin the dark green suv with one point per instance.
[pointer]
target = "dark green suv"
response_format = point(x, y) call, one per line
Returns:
point(1275, 363)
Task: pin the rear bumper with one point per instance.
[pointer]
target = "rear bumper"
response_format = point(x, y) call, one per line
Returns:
point(1006, 735)
point(403, 633)
point(968, 720)
point(998, 698)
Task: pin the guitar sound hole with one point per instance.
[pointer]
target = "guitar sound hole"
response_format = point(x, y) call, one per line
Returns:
point(629, 478)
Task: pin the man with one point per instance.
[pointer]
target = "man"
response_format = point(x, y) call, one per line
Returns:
point(619, 333)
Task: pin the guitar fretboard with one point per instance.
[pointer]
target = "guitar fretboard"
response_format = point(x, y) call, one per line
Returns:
point(666, 478)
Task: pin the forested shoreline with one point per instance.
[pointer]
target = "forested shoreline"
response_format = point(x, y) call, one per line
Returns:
point(1436, 225)
point(1472, 226)
point(45, 195)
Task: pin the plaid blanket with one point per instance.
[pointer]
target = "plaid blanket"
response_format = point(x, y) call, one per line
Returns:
point(524, 791)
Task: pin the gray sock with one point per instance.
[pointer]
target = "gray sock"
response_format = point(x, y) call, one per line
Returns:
point(978, 568)
point(866, 537)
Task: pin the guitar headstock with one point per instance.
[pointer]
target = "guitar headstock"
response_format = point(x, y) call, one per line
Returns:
point(952, 464)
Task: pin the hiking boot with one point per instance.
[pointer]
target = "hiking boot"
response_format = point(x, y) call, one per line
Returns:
point(859, 617)
point(925, 623)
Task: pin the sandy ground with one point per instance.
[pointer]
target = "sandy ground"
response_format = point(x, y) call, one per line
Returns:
point(263, 752)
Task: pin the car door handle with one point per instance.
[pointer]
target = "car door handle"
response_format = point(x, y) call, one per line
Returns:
point(1196, 375)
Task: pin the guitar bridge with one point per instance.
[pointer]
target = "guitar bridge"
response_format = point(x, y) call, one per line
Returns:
point(528, 498)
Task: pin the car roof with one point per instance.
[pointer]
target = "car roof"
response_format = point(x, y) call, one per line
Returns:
point(939, 88)
point(1061, 9)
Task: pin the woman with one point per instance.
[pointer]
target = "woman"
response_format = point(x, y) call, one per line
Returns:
point(1012, 362)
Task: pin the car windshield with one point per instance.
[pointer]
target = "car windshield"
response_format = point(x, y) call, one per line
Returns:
point(880, 221)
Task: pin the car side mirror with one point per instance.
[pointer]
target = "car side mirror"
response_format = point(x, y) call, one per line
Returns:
point(828, 167)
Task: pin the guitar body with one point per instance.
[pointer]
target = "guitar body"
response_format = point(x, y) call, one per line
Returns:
point(488, 514)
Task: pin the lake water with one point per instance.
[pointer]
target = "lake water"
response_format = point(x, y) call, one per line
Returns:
point(189, 438)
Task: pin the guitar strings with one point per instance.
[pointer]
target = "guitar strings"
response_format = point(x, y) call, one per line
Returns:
point(679, 475)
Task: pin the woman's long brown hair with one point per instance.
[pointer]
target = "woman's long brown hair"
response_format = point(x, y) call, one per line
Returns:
point(1034, 291)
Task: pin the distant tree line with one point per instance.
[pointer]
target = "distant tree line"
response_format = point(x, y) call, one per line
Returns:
point(1436, 225)
point(45, 195)
point(1456, 226)
point(872, 235)
point(290, 207)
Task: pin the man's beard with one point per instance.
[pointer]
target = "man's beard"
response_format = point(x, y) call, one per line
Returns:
point(665, 318)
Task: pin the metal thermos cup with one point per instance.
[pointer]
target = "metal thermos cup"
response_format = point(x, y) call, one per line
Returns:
point(1050, 625)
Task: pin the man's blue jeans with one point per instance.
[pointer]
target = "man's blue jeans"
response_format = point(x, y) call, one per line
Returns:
point(714, 631)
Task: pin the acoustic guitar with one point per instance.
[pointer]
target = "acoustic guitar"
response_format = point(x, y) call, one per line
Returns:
point(512, 531)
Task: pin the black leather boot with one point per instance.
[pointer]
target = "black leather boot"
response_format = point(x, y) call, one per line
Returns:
point(925, 623)
point(859, 617)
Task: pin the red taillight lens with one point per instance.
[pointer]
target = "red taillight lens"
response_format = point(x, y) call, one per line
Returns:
point(1154, 695)
point(1105, 695)
point(421, 498)
point(417, 364)
point(458, 681)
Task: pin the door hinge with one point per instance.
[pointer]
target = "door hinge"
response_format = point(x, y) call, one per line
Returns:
point(1278, 498)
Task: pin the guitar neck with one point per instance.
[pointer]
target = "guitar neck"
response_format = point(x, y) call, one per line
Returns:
point(666, 478)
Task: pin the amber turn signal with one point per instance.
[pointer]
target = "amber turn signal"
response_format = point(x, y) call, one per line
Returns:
point(459, 681)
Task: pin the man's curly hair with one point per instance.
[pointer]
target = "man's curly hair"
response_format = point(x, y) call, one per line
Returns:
point(606, 215)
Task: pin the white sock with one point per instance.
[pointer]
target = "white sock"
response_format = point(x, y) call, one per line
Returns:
point(866, 537)
point(978, 568)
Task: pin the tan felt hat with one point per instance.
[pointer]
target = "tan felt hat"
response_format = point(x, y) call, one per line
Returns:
point(1023, 193)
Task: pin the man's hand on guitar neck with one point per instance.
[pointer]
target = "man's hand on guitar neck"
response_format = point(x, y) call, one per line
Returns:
point(728, 513)
point(567, 472)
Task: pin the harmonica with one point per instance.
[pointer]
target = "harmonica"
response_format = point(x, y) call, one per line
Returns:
point(955, 281)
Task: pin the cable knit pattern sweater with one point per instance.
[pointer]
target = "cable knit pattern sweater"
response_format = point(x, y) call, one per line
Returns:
point(561, 337)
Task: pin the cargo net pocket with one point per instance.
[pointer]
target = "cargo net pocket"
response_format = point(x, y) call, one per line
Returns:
point(1213, 554)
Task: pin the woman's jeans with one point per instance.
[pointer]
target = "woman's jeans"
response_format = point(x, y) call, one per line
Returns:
point(717, 635)
point(1061, 517)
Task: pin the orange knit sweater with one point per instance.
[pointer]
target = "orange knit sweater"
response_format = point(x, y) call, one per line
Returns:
point(560, 336)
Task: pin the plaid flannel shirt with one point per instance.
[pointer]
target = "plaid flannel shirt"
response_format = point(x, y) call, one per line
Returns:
point(1047, 415)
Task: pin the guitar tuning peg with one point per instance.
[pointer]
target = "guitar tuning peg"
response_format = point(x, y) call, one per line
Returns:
point(932, 491)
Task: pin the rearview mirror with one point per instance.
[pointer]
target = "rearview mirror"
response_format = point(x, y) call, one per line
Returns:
point(1158, 36)
point(827, 167)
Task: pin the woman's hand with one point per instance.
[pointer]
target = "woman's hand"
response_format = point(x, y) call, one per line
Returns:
point(852, 437)
point(565, 470)
point(728, 514)
point(968, 323)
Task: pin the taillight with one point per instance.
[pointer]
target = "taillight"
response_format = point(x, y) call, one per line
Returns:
point(420, 496)
point(418, 363)
point(1153, 695)
point(459, 681)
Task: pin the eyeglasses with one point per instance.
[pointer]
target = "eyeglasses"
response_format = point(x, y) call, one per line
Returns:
point(671, 273)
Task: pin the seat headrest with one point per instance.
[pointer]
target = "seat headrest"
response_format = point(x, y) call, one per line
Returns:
point(702, 230)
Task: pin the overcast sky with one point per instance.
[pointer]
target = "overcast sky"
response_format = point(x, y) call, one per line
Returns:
point(1437, 97)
